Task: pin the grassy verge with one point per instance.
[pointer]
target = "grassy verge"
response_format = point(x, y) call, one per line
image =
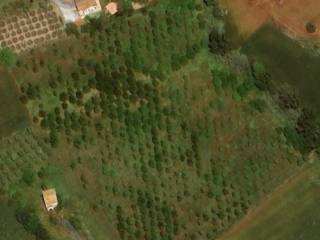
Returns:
point(13, 115)
point(291, 212)
point(9, 227)
point(287, 62)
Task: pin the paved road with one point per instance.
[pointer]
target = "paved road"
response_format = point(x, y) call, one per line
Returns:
point(67, 9)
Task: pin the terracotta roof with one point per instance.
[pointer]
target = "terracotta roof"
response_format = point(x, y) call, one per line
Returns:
point(85, 4)
point(50, 198)
point(112, 8)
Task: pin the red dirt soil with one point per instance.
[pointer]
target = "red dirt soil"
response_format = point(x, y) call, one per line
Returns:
point(293, 15)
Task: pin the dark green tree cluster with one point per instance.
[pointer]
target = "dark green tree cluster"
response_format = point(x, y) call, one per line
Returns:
point(7, 57)
point(151, 219)
point(31, 222)
point(114, 49)
point(218, 43)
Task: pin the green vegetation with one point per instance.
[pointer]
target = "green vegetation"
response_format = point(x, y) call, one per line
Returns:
point(66, 98)
point(283, 72)
point(21, 156)
point(287, 62)
point(13, 115)
point(31, 222)
point(7, 57)
point(218, 43)
point(142, 131)
point(8, 7)
point(292, 211)
point(9, 227)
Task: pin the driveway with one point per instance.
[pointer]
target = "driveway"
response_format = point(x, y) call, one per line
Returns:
point(68, 10)
point(74, 233)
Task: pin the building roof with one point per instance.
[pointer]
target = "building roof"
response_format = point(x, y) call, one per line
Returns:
point(137, 5)
point(85, 4)
point(50, 197)
point(112, 8)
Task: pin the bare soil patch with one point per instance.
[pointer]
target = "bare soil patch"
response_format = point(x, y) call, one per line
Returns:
point(293, 15)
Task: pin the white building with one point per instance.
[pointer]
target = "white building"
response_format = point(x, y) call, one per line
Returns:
point(87, 7)
point(50, 199)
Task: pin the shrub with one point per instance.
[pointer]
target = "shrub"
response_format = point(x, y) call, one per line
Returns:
point(28, 176)
point(311, 27)
point(75, 222)
point(293, 137)
point(218, 43)
point(210, 2)
point(71, 28)
point(260, 76)
point(245, 88)
point(258, 104)
point(31, 222)
point(54, 138)
point(258, 69)
point(308, 127)
point(7, 57)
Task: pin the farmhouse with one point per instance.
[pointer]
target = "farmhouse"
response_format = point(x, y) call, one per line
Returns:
point(50, 199)
point(137, 5)
point(112, 8)
point(87, 7)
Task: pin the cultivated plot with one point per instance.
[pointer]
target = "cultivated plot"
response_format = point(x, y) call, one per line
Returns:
point(26, 31)
point(287, 61)
point(292, 212)
point(13, 115)
point(293, 15)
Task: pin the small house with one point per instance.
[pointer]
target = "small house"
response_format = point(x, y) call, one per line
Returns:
point(87, 7)
point(137, 5)
point(50, 199)
point(112, 8)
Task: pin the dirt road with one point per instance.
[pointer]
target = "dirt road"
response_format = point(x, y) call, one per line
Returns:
point(75, 235)
point(67, 9)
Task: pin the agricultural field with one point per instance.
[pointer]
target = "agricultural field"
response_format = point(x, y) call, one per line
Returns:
point(292, 15)
point(30, 29)
point(287, 61)
point(143, 138)
point(130, 162)
point(13, 114)
point(9, 227)
point(290, 79)
point(5, 2)
point(21, 155)
point(291, 212)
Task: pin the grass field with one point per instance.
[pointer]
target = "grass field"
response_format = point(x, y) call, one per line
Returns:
point(6, 2)
point(9, 227)
point(13, 115)
point(292, 212)
point(287, 61)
